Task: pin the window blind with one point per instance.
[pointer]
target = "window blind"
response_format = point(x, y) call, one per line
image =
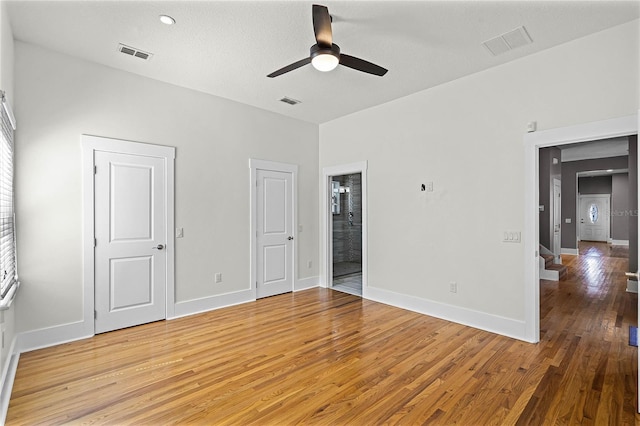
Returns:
point(8, 269)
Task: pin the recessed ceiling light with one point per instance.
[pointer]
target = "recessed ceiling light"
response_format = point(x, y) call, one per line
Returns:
point(166, 19)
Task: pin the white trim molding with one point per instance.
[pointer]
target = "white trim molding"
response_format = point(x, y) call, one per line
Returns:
point(326, 225)
point(481, 320)
point(571, 251)
point(51, 336)
point(620, 242)
point(6, 382)
point(211, 303)
point(306, 283)
point(615, 127)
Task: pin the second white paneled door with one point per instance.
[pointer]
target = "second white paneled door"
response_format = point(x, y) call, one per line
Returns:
point(274, 236)
point(130, 232)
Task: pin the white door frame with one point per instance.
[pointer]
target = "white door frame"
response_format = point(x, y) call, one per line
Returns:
point(616, 127)
point(91, 144)
point(556, 222)
point(254, 165)
point(326, 217)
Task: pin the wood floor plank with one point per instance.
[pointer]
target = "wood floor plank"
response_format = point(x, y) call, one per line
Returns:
point(325, 357)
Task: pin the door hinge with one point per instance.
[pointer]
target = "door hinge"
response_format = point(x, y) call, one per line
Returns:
point(95, 170)
point(95, 242)
point(95, 314)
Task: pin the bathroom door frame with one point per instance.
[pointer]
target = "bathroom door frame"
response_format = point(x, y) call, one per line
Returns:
point(328, 173)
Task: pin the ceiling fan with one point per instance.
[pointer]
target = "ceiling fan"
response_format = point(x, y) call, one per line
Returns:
point(325, 55)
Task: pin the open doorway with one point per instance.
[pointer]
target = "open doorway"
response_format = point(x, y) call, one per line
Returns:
point(598, 203)
point(344, 189)
point(534, 142)
point(346, 233)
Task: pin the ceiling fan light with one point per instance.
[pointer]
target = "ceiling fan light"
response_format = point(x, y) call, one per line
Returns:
point(167, 20)
point(324, 62)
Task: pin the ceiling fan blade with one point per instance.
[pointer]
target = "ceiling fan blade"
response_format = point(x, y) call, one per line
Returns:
point(322, 26)
point(290, 67)
point(361, 65)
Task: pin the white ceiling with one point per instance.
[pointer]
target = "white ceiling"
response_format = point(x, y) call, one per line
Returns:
point(226, 48)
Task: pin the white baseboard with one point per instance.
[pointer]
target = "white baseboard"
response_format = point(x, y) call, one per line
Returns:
point(632, 286)
point(476, 319)
point(548, 274)
point(32, 340)
point(620, 242)
point(6, 383)
point(305, 283)
point(573, 251)
point(51, 336)
point(210, 303)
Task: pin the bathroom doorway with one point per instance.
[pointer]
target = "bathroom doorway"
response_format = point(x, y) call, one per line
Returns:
point(346, 235)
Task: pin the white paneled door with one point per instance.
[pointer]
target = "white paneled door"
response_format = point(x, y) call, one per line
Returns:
point(130, 232)
point(594, 217)
point(274, 226)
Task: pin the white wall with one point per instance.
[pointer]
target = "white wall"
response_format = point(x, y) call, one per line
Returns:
point(58, 98)
point(467, 138)
point(6, 84)
point(6, 52)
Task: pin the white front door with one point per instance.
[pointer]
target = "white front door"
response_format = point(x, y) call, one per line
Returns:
point(274, 236)
point(557, 199)
point(131, 238)
point(594, 217)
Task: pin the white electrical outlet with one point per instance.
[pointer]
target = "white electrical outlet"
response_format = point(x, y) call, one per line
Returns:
point(218, 277)
point(453, 287)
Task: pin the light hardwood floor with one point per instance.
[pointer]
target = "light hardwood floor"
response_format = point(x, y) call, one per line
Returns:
point(326, 357)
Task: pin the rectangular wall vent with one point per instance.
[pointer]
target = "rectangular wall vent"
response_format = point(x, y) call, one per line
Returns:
point(132, 51)
point(508, 41)
point(290, 101)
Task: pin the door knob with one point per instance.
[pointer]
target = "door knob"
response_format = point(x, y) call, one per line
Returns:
point(159, 247)
point(290, 238)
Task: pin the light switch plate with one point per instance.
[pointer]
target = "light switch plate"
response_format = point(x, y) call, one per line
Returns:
point(511, 236)
point(179, 232)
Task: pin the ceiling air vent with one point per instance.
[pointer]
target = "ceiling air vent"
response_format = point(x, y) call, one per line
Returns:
point(508, 41)
point(132, 51)
point(289, 101)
